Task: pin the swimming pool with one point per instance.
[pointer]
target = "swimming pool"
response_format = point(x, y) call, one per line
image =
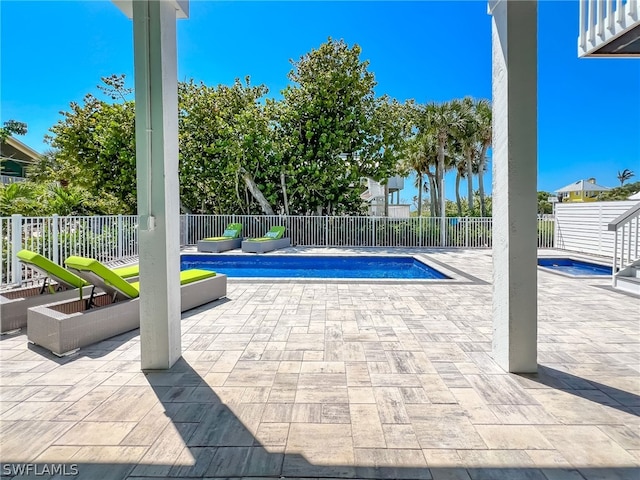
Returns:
point(574, 267)
point(307, 266)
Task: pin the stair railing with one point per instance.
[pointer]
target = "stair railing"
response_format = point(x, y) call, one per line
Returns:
point(625, 230)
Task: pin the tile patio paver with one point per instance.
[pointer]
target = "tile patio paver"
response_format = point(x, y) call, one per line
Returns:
point(344, 380)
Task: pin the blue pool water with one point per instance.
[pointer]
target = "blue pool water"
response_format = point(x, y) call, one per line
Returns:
point(574, 267)
point(299, 266)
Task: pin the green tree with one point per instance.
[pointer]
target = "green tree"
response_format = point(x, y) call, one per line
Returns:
point(12, 127)
point(228, 160)
point(96, 140)
point(544, 206)
point(18, 198)
point(484, 135)
point(327, 128)
point(620, 193)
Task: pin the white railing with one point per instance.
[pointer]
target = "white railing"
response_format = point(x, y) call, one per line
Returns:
point(113, 239)
point(601, 21)
point(110, 238)
point(626, 233)
point(320, 231)
point(7, 179)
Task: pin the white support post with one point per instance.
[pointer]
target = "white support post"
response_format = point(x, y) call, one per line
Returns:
point(154, 31)
point(614, 267)
point(56, 239)
point(514, 32)
point(16, 246)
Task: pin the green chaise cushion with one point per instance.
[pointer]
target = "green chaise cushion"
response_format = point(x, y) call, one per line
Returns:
point(274, 233)
point(188, 276)
point(109, 277)
point(128, 272)
point(233, 231)
point(50, 269)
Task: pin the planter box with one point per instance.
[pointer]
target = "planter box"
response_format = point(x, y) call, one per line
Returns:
point(64, 327)
point(15, 303)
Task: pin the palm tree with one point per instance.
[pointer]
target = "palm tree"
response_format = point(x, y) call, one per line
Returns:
point(625, 175)
point(461, 172)
point(467, 137)
point(443, 121)
point(484, 133)
point(423, 152)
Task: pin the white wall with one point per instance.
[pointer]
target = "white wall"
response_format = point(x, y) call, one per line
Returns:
point(582, 227)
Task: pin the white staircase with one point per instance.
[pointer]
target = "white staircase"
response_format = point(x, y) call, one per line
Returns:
point(626, 257)
point(628, 279)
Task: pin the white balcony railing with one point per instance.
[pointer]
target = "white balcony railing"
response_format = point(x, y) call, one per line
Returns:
point(602, 21)
point(7, 179)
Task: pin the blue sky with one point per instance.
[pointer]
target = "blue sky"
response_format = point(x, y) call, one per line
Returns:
point(52, 53)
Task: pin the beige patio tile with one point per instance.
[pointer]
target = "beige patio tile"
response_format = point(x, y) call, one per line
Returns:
point(512, 437)
point(96, 433)
point(323, 367)
point(400, 436)
point(366, 427)
point(23, 441)
point(277, 413)
point(478, 458)
point(390, 406)
point(361, 395)
point(270, 434)
point(444, 433)
point(321, 444)
point(586, 446)
point(58, 454)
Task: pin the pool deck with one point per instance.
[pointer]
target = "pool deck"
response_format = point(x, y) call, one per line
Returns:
point(342, 380)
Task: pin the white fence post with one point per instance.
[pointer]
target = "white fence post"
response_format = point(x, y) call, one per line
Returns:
point(16, 246)
point(55, 243)
point(120, 233)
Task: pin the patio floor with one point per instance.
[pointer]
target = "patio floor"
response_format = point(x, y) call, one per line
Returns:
point(315, 380)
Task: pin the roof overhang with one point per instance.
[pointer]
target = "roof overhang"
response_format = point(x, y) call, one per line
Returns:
point(182, 7)
point(21, 147)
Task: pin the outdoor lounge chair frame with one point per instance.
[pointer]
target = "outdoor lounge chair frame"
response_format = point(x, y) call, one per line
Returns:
point(64, 327)
point(266, 244)
point(15, 303)
point(222, 244)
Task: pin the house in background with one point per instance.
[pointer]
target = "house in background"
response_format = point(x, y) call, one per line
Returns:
point(581, 191)
point(374, 196)
point(15, 157)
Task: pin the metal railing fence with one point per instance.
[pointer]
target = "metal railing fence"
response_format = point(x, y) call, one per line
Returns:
point(108, 238)
point(114, 238)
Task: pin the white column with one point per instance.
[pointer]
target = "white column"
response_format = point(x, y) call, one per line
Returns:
point(154, 30)
point(514, 35)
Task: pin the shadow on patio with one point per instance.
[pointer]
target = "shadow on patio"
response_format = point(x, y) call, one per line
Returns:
point(198, 436)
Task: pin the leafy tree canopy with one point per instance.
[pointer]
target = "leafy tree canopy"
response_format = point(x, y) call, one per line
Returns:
point(620, 193)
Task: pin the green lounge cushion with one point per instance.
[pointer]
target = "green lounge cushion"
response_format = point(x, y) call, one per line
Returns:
point(188, 276)
point(232, 231)
point(114, 281)
point(50, 269)
point(274, 233)
point(128, 272)
point(109, 277)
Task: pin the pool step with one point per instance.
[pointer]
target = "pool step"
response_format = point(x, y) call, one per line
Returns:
point(628, 284)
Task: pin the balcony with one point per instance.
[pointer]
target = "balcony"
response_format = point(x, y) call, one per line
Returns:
point(609, 28)
point(7, 179)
